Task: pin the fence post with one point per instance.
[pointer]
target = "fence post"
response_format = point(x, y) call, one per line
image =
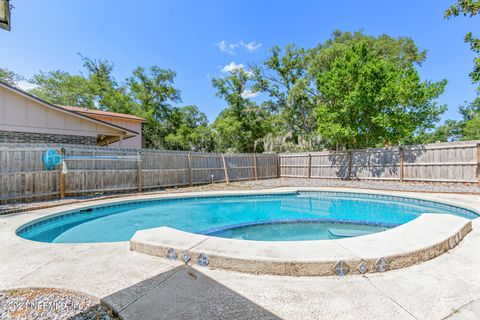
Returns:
point(478, 163)
point(225, 170)
point(62, 178)
point(309, 172)
point(349, 170)
point(190, 171)
point(139, 172)
point(255, 172)
point(279, 172)
point(402, 155)
point(62, 182)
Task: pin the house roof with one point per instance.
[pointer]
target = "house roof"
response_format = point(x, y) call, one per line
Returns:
point(126, 132)
point(104, 113)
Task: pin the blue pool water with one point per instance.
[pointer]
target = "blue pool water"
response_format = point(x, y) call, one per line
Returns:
point(294, 216)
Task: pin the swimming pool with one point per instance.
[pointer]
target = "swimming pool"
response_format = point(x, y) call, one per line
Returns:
point(277, 217)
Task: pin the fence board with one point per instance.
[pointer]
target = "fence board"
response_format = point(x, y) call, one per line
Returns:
point(445, 162)
point(23, 176)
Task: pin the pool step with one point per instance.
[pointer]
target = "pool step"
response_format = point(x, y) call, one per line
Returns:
point(346, 233)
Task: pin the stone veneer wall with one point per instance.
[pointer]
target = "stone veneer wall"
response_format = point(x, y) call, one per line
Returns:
point(29, 137)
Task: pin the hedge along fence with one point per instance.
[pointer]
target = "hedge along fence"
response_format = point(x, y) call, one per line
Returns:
point(23, 176)
point(441, 162)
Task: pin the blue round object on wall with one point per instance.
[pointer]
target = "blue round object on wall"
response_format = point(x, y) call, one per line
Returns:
point(51, 159)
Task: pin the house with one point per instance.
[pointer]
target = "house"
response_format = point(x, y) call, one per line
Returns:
point(123, 120)
point(25, 118)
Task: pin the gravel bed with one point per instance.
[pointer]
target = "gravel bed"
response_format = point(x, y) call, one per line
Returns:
point(378, 185)
point(51, 304)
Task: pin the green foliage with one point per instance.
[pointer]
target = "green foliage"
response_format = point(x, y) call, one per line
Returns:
point(353, 90)
point(369, 100)
point(465, 129)
point(472, 128)
point(468, 127)
point(290, 89)
point(400, 51)
point(242, 123)
point(471, 109)
point(62, 88)
point(468, 8)
point(108, 94)
point(275, 142)
point(152, 93)
point(189, 130)
point(10, 77)
point(146, 93)
point(452, 130)
point(95, 88)
point(463, 7)
point(312, 108)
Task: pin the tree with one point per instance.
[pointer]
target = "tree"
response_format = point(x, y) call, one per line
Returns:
point(472, 128)
point(242, 123)
point(471, 120)
point(62, 88)
point(147, 93)
point(367, 100)
point(290, 78)
point(152, 93)
point(468, 8)
point(108, 94)
point(95, 87)
point(10, 77)
point(471, 112)
point(451, 130)
point(290, 89)
point(400, 51)
point(189, 130)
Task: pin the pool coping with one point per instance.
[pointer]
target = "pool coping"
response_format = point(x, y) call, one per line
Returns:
point(419, 240)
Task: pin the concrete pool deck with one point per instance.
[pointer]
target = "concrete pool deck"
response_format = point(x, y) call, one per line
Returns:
point(142, 286)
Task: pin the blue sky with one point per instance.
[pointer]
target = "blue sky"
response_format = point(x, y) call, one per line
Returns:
point(185, 36)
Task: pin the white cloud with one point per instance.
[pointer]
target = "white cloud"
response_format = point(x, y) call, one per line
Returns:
point(231, 47)
point(251, 46)
point(248, 94)
point(232, 66)
point(226, 47)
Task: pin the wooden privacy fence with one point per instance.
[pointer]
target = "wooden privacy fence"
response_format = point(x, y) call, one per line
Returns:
point(23, 175)
point(446, 162)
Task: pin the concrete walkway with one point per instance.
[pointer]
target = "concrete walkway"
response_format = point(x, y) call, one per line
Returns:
point(145, 287)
